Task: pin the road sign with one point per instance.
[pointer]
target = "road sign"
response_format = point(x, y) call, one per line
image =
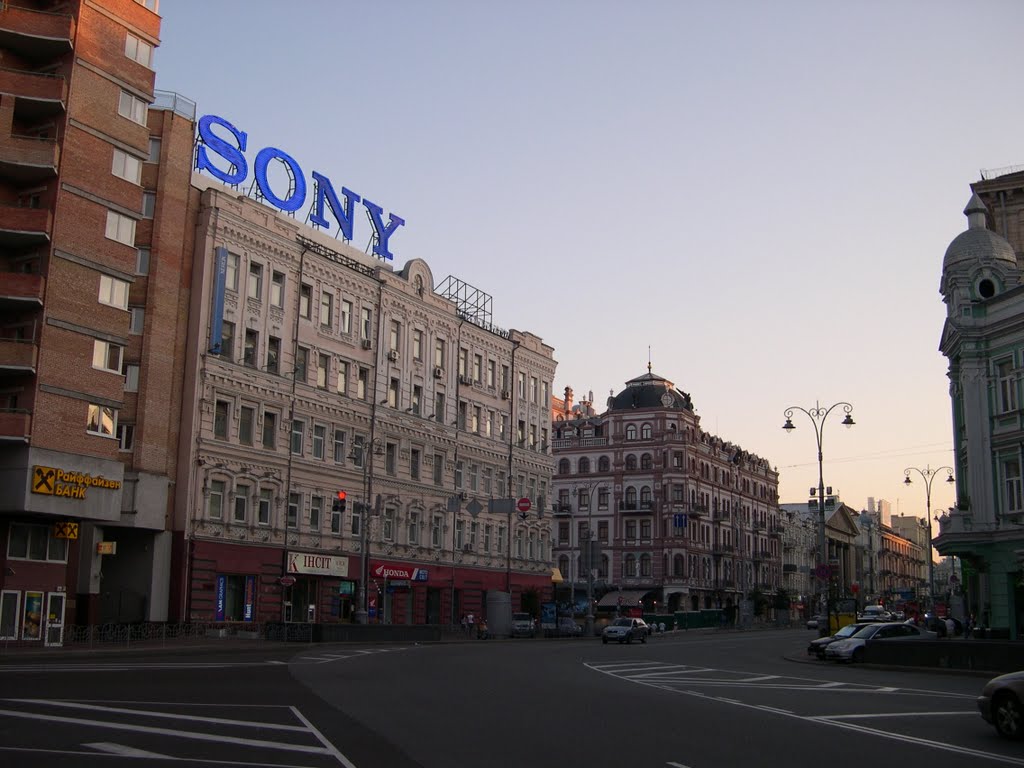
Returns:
point(523, 505)
point(822, 572)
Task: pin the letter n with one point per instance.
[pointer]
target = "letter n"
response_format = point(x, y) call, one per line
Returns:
point(323, 189)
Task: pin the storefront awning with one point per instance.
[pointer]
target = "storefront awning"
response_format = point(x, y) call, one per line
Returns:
point(556, 576)
point(628, 596)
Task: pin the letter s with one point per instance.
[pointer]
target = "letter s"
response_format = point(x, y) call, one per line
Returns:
point(233, 155)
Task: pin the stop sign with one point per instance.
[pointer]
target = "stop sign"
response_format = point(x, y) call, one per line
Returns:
point(523, 505)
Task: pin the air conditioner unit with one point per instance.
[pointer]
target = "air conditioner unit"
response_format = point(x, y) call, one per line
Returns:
point(392, 355)
point(463, 495)
point(466, 380)
point(505, 394)
point(438, 372)
point(366, 343)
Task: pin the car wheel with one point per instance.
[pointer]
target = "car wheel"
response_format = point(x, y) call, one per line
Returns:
point(629, 639)
point(604, 640)
point(858, 655)
point(643, 639)
point(1008, 716)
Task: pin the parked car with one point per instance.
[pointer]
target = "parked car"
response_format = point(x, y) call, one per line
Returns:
point(815, 621)
point(626, 630)
point(817, 646)
point(523, 625)
point(875, 613)
point(1002, 704)
point(568, 627)
point(852, 648)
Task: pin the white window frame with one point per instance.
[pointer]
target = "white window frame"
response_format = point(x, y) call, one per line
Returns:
point(96, 413)
point(137, 320)
point(138, 50)
point(127, 167)
point(1012, 485)
point(132, 108)
point(120, 228)
point(107, 356)
point(113, 292)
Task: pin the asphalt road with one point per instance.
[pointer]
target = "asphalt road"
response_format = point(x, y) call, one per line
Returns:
point(697, 700)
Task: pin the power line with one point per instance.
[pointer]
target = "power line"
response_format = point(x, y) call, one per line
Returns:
point(894, 453)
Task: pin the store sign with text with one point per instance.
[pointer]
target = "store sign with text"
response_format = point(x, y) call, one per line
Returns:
point(319, 565)
point(397, 572)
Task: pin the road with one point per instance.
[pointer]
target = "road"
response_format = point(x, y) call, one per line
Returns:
point(696, 700)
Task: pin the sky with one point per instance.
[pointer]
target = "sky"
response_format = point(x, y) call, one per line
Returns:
point(754, 197)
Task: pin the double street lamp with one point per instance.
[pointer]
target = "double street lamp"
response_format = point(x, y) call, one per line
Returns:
point(928, 475)
point(364, 453)
point(818, 414)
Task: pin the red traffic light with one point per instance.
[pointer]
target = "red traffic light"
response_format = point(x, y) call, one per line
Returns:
point(341, 495)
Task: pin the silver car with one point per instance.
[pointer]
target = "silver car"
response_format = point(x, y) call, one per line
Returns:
point(626, 630)
point(1000, 703)
point(852, 648)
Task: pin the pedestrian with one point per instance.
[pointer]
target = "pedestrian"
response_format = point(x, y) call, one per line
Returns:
point(465, 624)
point(472, 621)
point(968, 626)
point(950, 627)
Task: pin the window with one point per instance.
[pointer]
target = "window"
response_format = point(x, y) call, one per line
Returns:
point(102, 420)
point(458, 474)
point(316, 506)
point(603, 464)
point(148, 205)
point(136, 320)
point(1012, 479)
point(269, 430)
point(388, 526)
point(357, 520)
point(133, 108)
point(319, 440)
point(417, 344)
point(227, 340)
point(417, 399)
point(301, 363)
point(463, 362)
point(645, 461)
point(393, 396)
point(322, 370)
point(478, 369)
point(298, 436)
point(363, 384)
point(414, 463)
point(346, 316)
point(255, 285)
point(342, 377)
point(491, 369)
point(645, 432)
point(602, 498)
point(414, 529)
point(265, 506)
point(439, 407)
point(131, 377)
point(294, 502)
point(152, 5)
point(438, 469)
point(138, 50)
point(631, 432)
point(277, 289)
point(358, 454)
point(305, 301)
point(35, 542)
point(395, 336)
point(365, 324)
point(326, 309)
point(126, 437)
point(241, 509)
point(533, 389)
point(120, 228)
point(273, 355)
point(221, 414)
point(339, 446)
point(142, 261)
point(251, 347)
point(645, 530)
point(154, 149)
point(246, 421)
point(127, 167)
point(436, 526)
point(231, 274)
point(335, 521)
point(1007, 386)
point(391, 459)
point(215, 502)
point(501, 539)
point(106, 356)
point(439, 353)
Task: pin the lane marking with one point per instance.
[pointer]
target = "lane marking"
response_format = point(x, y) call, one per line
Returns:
point(152, 713)
point(328, 747)
point(777, 709)
point(869, 716)
point(168, 732)
point(757, 679)
point(730, 701)
point(126, 751)
point(197, 760)
point(677, 765)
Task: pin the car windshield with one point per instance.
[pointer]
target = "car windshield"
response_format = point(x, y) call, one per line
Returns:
point(520, 617)
point(849, 629)
point(623, 622)
point(868, 631)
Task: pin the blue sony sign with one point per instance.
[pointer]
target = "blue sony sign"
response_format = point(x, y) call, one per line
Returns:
point(231, 147)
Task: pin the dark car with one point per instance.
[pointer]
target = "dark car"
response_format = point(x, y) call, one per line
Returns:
point(1001, 704)
point(817, 646)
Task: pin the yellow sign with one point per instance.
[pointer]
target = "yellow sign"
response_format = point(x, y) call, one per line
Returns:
point(65, 530)
point(54, 481)
point(106, 547)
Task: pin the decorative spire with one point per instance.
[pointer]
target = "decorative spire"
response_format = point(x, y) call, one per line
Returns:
point(976, 212)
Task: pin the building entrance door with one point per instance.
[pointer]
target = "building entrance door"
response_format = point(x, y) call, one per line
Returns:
point(54, 625)
point(300, 600)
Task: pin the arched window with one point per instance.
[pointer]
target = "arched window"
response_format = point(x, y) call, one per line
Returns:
point(645, 432)
point(563, 467)
point(631, 432)
point(584, 466)
point(645, 565)
point(629, 566)
point(603, 464)
point(645, 461)
point(631, 498)
point(645, 497)
point(631, 462)
point(678, 566)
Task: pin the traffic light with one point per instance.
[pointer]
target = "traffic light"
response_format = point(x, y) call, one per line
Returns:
point(339, 502)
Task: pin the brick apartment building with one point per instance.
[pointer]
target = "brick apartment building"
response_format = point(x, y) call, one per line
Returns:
point(88, 402)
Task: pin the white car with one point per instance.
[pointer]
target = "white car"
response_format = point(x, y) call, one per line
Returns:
point(852, 648)
point(626, 630)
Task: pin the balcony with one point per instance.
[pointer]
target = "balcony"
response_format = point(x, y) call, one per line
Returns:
point(758, 525)
point(775, 531)
point(579, 442)
point(35, 35)
point(17, 356)
point(727, 583)
point(698, 510)
point(28, 159)
point(789, 568)
point(15, 426)
point(24, 227)
point(21, 291)
point(721, 549)
point(761, 554)
point(37, 95)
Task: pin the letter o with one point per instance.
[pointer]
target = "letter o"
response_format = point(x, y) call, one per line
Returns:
point(298, 196)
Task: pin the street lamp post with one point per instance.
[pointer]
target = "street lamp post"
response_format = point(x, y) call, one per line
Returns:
point(818, 415)
point(365, 453)
point(928, 475)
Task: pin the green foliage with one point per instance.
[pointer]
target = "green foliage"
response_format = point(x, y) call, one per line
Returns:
point(781, 600)
point(760, 601)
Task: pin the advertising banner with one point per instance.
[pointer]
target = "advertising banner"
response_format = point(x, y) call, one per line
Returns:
point(248, 607)
point(222, 588)
point(220, 272)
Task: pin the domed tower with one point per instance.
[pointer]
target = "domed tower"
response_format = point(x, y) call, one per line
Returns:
point(650, 391)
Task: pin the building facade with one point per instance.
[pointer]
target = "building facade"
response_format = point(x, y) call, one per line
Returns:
point(334, 372)
point(88, 400)
point(683, 520)
point(983, 340)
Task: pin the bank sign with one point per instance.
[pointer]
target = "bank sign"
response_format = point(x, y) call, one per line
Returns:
point(220, 139)
point(55, 481)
